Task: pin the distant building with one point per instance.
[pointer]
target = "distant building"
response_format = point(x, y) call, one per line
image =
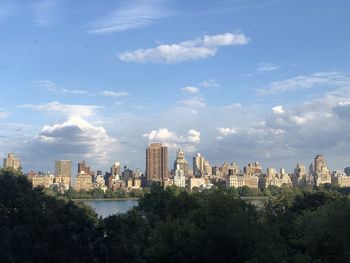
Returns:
point(347, 171)
point(234, 180)
point(82, 167)
point(321, 172)
point(299, 176)
point(251, 181)
point(63, 182)
point(252, 169)
point(198, 165)
point(196, 182)
point(100, 183)
point(181, 162)
point(341, 179)
point(44, 180)
point(83, 182)
point(179, 177)
point(11, 162)
point(63, 168)
point(115, 169)
point(156, 163)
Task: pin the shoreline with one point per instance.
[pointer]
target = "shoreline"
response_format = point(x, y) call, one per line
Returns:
point(106, 199)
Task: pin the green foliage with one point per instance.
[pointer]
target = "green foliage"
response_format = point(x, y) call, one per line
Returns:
point(172, 225)
point(40, 228)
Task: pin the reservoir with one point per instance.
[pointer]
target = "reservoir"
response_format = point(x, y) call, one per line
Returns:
point(106, 208)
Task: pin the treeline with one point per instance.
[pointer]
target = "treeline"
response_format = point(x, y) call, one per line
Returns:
point(97, 193)
point(175, 226)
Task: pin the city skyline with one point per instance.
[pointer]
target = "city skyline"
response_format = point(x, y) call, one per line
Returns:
point(161, 167)
point(247, 81)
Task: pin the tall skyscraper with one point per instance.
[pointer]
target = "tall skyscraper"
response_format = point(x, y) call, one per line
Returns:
point(63, 168)
point(198, 165)
point(322, 174)
point(82, 167)
point(115, 169)
point(11, 162)
point(156, 163)
point(181, 162)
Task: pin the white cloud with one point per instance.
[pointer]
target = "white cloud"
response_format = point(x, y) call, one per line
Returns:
point(51, 86)
point(162, 134)
point(266, 67)
point(209, 83)
point(75, 138)
point(4, 114)
point(108, 93)
point(193, 136)
point(226, 131)
point(315, 80)
point(200, 48)
point(192, 104)
point(278, 109)
point(69, 110)
point(190, 90)
point(134, 14)
point(172, 140)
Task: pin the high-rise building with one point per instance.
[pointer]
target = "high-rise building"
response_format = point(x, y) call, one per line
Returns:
point(299, 176)
point(179, 177)
point(322, 174)
point(181, 162)
point(252, 169)
point(11, 162)
point(198, 165)
point(83, 182)
point(115, 169)
point(156, 163)
point(63, 168)
point(82, 167)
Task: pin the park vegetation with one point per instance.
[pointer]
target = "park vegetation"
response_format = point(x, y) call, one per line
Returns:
point(170, 225)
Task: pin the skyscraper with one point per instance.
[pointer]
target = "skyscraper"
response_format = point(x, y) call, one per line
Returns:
point(321, 173)
point(63, 168)
point(181, 162)
point(115, 169)
point(156, 163)
point(82, 167)
point(198, 165)
point(11, 162)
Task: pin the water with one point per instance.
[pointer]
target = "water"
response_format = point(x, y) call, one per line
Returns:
point(106, 208)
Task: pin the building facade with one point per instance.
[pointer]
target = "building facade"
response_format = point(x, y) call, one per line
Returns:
point(156, 163)
point(63, 168)
point(11, 162)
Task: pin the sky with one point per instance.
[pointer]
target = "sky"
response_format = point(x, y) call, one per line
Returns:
point(236, 80)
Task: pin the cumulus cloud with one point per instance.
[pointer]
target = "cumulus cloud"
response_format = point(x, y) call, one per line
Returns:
point(226, 131)
point(315, 80)
point(75, 138)
point(190, 90)
point(278, 109)
point(118, 94)
point(133, 14)
point(172, 140)
point(68, 110)
point(200, 48)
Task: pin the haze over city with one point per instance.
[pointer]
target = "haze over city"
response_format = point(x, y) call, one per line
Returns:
point(85, 81)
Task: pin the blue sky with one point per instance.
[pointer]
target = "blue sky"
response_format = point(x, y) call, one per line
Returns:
point(236, 80)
